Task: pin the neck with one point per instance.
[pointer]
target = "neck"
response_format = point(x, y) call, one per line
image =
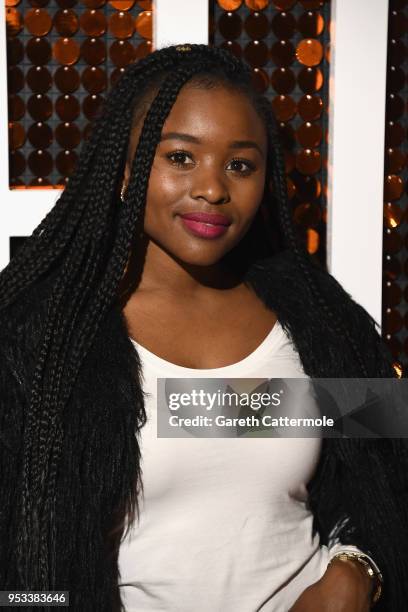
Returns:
point(150, 268)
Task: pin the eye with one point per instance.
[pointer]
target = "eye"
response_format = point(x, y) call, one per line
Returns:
point(250, 167)
point(177, 157)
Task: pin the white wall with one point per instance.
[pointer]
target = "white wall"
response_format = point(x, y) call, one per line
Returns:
point(180, 21)
point(356, 148)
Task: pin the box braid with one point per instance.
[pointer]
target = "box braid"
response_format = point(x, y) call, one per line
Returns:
point(337, 324)
point(84, 243)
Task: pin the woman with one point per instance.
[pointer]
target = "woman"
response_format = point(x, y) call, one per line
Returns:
point(119, 285)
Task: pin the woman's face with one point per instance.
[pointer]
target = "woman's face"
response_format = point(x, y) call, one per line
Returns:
point(211, 159)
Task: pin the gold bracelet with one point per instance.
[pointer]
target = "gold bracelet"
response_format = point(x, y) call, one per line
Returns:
point(370, 570)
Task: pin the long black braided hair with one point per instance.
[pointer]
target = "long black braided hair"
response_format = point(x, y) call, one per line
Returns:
point(84, 244)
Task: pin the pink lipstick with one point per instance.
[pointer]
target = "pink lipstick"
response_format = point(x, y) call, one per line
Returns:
point(206, 225)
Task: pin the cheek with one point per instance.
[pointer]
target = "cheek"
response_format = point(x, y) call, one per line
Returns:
point(260, 185)
point(249, 195)
point(165, 191)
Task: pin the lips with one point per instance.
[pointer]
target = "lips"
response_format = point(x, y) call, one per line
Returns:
point(205, 225)
point(213, 218)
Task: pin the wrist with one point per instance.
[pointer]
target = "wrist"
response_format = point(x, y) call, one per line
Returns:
point(357, 570)
point(352, 572)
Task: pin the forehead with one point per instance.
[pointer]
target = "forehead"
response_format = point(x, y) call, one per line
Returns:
point(216, 114)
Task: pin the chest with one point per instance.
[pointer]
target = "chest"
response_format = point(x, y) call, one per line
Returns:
point(194, 334)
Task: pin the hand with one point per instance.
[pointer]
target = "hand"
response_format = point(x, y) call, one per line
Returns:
point(344, 587)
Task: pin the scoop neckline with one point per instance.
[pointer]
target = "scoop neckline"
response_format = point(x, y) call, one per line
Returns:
point(260, 351)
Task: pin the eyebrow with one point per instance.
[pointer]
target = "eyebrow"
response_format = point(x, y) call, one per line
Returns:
point(235, 144)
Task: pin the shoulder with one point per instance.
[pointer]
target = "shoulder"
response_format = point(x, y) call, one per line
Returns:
point(290, 280)
point(284, 281)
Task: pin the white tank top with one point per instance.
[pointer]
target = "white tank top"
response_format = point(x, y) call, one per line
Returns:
point(224, 522)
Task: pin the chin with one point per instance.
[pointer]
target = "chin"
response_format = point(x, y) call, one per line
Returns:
point(201, 259)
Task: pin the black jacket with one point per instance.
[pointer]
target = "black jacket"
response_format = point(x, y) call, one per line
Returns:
point(360, 486)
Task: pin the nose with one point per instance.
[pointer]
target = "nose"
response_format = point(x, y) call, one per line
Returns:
point(208, 184)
